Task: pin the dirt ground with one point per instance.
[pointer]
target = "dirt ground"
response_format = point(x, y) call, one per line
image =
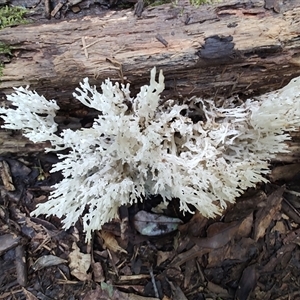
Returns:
point(252, 252)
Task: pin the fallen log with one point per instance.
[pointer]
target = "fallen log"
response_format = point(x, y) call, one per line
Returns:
point(233, 47)
point(230, 47)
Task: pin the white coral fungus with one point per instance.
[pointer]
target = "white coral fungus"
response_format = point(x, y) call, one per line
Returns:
point(148, 148)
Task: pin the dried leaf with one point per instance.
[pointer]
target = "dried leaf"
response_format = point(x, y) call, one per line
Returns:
point(239, 251)
point(247, 283)
point(220, 239)
point(47, 261)
point(195, 225)
point(79, 263)
point(153, 225)
point(110, 242)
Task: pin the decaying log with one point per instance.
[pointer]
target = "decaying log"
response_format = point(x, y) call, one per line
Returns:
point(233, 47)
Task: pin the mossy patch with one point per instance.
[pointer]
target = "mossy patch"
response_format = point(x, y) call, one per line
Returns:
point(12, 15)
point(201, 2)
point(156, 2)
point(5, 49)
point(1, 70)
point(5, 56)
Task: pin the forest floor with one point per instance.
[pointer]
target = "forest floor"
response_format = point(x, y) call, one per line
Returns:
point(251, 252)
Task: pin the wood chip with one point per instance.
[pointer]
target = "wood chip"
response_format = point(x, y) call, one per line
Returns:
point(7, 242)
point(56, 9)
point(266, 214)
point(6, 176)
point(21, 266)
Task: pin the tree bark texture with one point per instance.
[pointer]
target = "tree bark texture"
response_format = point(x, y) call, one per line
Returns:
point(233, 47)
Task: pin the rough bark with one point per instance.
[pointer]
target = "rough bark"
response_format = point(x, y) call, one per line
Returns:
point(241, 47)
point(226, 48)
